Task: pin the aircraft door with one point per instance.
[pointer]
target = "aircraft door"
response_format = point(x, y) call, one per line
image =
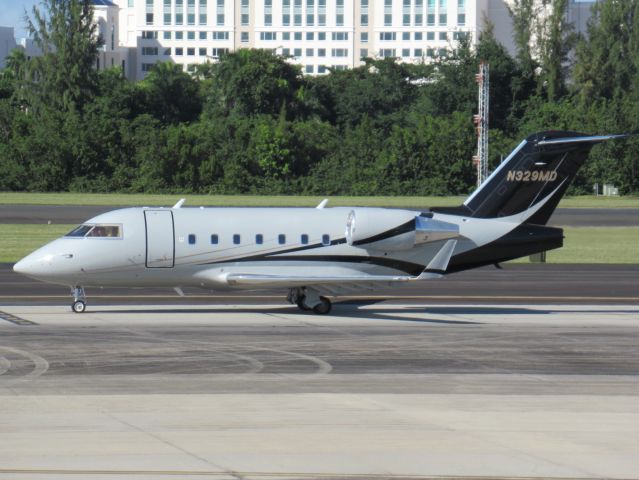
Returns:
point(160, 239)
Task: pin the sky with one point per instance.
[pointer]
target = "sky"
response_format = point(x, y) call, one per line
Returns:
point(12, 11)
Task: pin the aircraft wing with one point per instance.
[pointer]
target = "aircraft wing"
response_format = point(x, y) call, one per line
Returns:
point(435, 269)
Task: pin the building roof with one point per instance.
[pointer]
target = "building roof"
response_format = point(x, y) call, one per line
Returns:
point(103, 3)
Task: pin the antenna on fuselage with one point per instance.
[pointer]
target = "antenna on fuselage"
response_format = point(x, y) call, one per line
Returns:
point(179, 203)
point(322, 204)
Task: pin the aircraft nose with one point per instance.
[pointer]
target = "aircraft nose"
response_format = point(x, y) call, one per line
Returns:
point(26, 266)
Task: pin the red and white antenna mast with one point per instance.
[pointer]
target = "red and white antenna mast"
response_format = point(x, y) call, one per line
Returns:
point(481, 122)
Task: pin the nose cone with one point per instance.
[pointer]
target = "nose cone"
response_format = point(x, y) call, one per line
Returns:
point(30, 265)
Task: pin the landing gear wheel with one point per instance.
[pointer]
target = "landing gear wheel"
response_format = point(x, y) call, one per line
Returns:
point(300, 304)
point(324, 307)
point(79, 306)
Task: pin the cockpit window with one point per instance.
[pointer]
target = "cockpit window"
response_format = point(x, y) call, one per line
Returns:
point(79, 231)
point(96, 231)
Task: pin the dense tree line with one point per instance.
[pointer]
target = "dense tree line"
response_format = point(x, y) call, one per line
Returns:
point(252, 123)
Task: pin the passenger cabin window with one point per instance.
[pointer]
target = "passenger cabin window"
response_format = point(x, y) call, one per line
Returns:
point(281, 239)
point(192, 238)
point(236, 239)
point(326, 239)
point(304, 239)
point(96, 231)
point(214, 239)
point(259, 239)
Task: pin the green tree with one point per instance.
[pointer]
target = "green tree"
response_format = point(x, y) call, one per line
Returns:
point(172, 95)
point(253, 82)
point(65, 32)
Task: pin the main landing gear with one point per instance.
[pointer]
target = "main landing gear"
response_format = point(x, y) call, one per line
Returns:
point(308, 299)
point(79, 304)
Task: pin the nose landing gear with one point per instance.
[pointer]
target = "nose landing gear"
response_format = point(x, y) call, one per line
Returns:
point(79, 304)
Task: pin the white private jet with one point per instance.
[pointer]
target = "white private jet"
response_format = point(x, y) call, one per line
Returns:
point(320, 252)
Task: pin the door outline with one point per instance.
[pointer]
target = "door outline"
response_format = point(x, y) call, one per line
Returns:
point(146, 231)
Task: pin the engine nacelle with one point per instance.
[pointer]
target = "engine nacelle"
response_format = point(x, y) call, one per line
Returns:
point(392, 230)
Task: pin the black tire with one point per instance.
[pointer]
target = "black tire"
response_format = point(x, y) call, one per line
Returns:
point(79, 306)
point(324, 307)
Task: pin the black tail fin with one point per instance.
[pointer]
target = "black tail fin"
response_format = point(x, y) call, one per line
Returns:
point(540, 169)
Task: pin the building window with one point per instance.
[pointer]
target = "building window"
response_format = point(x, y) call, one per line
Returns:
point(149, 35)
point(387, 36)
point(244, 37)
point(192, 238)
point(418, 36)
point(363, 37)
point(405, 35)
point(310, 36)
point(190, 35)
point(308, 69)
point(321, 52)
point(339, 52)
point(461, 4)
point(363, 53)
point(219, 52)
point(339, 36)
point(167, 35)
point(281, 239)
point(443, 36)
point(236, 239)
point(244, 10)
point(321, 36)
point(202, 52)
point(149, 19)
point(388, 12)
point(461, 19)
point(259, 239)
point(430, 35)
point(430, 19)
point(220, 35)
point(167, 19)
point(147, 67)
point(268, 36)
point(167, 52)
point(149, 50)
point(297, 52)
point(297, 36)
point(321, 69)
point(405, 52)
point(179, 18)
point(309, 52)
point(202, 18)
point(363, 18)
point(214, 239)
point(179, 35)
point(190, 52)
point(326, 239)
point(304, 237)
point(443, 19)
point(202, 35)
point(179, 51)
point(419, 53)
point(430, 52)
point(387, 52)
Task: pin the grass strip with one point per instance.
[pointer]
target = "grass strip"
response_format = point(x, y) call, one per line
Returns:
point(581, 245)
point(123, 199)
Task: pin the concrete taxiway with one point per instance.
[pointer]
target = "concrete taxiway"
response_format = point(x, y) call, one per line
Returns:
point(373, 391)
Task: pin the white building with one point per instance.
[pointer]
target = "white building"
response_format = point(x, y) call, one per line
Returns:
point(315, 33)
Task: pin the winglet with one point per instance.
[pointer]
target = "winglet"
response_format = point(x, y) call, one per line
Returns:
point(437, 266)
point(322, 204)
point(179, 203)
